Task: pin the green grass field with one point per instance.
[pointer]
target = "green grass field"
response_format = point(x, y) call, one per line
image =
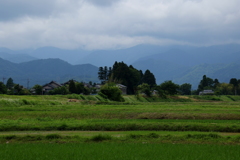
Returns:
point(118, 151)
point(195, 127)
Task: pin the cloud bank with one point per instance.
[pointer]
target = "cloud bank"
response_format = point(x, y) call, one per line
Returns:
point(107, 24)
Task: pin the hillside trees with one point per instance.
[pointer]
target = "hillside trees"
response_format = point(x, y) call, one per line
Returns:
point(60, 90)
point(225, 89)
point(207, 83)
point(77, 88)
point(104, 73)
point(127, 75)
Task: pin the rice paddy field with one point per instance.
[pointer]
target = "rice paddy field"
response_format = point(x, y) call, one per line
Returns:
point(90, 127)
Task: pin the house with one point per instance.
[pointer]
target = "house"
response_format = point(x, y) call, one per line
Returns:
point(50, 86)
point(87, 85)
point(206, 92)
point(122, 88)
point(154, 92)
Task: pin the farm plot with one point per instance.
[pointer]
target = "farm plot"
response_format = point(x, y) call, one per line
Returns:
point(32, 114)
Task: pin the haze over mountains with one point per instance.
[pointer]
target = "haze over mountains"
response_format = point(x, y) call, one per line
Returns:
point(182, 64)
point(44, 71)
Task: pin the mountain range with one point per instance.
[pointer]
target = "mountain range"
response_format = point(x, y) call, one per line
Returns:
point(182, 64)
point(45, 70)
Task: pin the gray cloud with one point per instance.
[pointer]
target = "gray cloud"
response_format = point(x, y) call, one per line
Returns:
point(102, 2)
point(12, 9)
point(124, 23)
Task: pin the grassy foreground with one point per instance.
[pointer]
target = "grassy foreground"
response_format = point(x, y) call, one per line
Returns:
point(193, 127)
point(118, 151)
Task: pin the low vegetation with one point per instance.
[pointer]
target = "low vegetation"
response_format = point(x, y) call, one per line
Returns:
point(147, 122)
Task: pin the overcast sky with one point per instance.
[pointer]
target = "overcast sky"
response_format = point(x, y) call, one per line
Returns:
point(112, 24)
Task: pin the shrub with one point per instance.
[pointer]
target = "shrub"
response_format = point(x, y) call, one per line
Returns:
point(101, 137)
point(112, 92)
point(145, 88)
point(152, 135)
point(10, 137)
point(53, 136)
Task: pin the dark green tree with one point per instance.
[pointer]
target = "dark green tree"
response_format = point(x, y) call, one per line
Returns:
point(72, 87)
point(109, 72)
point(17, 89)
point(141, 77)
point(3, 88)
point(128, 76)
point(111, 91)
point(234, 82)
point(90, 83)
point(79, 88)
point(149, 78)
point(86, 91)
point(225, 89)
point(9, 83)
point(168, 88)
point(38, 89)
point(105, 73)
point(145, 88)
point(216, 83)
point(185, 89)
point(205, 83)
point(60, 91)
point(101, 76)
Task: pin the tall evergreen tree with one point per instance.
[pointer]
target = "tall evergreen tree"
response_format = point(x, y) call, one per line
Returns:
point(216, 83)
point(101, 74)
point(9, 83)
point(234, 82)
point(72, 86)
point(149, 78)
point(105, 73)
point(205, 83)
point(109, 72)
point(127, 75)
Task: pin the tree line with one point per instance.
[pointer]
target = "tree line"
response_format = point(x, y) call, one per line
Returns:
point(126, 75)
point(72, 87)
point(136, 81)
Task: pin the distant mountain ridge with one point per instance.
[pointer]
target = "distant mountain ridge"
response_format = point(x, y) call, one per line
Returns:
point(43, 71)
point(182, 64)
point(16, 58)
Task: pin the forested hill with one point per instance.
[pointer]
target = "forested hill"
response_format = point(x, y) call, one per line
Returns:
point(44, 71)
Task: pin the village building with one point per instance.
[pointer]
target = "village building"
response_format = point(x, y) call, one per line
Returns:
point(122, 88)
point(50, 86)
point(206, 92)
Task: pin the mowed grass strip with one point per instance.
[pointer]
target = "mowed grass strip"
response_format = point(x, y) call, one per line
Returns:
point(117, 151)
point(121, 137)
point(22, 108)
point(120, 125)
